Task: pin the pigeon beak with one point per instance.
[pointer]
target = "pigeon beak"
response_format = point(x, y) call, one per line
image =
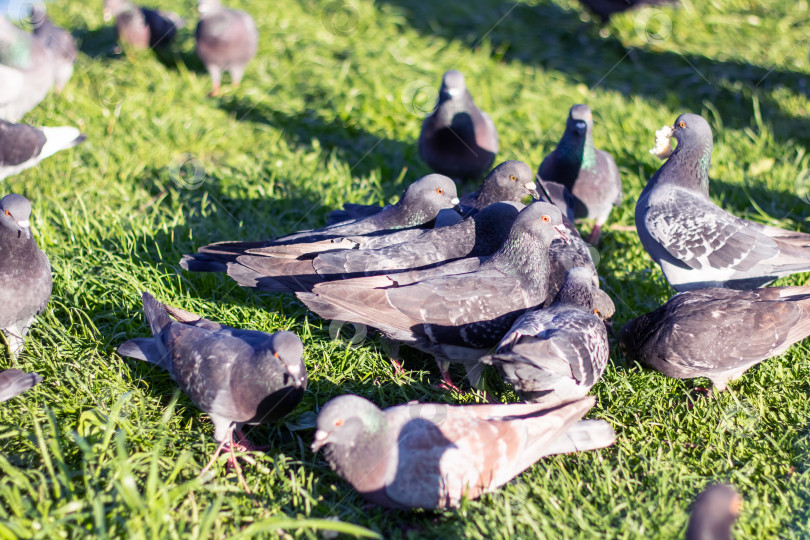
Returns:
point(561, 232)
point(736, 505)
point(25, 227)
point(321, 438)
point(531, 187)
point(581, 127)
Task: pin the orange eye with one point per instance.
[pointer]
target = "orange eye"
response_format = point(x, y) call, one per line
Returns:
point(8, 213)
point(546, 219)
point(596, 312)
point(440, 191)
point(339, 422)
point(682, 124)
point(513, 178)
point(275, 354)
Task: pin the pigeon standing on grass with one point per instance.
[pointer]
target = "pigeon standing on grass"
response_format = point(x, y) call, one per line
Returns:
point(589, 174)
point(23, 146)
point(427, 455)
point(235, 376)
point(14, 382)
point(59, 42)
point(714, 512)
point(142, 28)
point(556, 354)
point(25, 272)
point(458, 139)
point(718, 333)
point(697, 243)
point(227, 40)
point(26, 71)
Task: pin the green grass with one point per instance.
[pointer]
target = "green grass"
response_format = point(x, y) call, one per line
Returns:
point(106, 447)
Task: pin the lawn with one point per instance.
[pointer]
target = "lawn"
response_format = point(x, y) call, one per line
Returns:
point(330, 112)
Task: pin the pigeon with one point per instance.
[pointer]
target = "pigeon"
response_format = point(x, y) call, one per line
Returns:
point(556, 354)
point(23, 146)
point(479, 235)
point(718, 333)
point(458, 139)
point(14, 382)
point(605, 9)
point(432, 456)
point(697, 243)
point(589, 174)
point(417, 208)
point(59, 42)
point(235, 376)
point(25, 272)
point(142, 28)
point(455, 317)
point(26, 71)
point(227, 40)
point(714, 512)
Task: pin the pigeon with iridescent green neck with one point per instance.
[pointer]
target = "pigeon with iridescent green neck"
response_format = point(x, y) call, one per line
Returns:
point(589, 174)
point(26, 71)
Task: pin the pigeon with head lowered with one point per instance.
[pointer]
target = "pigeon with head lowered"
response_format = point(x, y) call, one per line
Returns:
point(142, 28)
point(458, 139)
point(14, 382)
point(427, 455)
point(227, 40)
point(697, 243)
point(59, 42)
point(718, 333)
point(235, 376)
point(23, 146)
point(26, 71)
point(589, 174)
point(714, 512)
point(25, 272)
point(556, 354)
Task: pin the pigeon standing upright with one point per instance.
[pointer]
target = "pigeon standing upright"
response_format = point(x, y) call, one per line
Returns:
point(556, 354)
point(718, 333)
point(235, 376)
point(59, 42)
point(589, 174)
point(139, 27)
point(714, 512)
point(697, 243)
point(14, 382)
point(26, 71)
point(427, 455)
point(23, 146)
point(457, 138)
point(227, 40)
point(25, 272)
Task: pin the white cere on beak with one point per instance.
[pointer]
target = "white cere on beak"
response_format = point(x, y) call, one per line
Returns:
point(454, 200)
point(530, 185)
point(24, 224)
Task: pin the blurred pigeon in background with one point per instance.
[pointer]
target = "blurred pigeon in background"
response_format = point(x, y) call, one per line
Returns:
point(605, 9)
point(14, 382)
point(714, 512)
point(26, 71)
point(23, 146)
point(227, 40)
point(142, 28)
point(58, 41)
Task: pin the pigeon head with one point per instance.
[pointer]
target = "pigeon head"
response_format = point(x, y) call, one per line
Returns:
point(208, 6)
point(577, 288)
point(509, 181)
point(14, 213)
point(344, 419)
point(580, 120)
point(427, 196)
point(289, 350)
point(453, 85)
point(603, 307)
point(692, 131)
point(714, 512)
point(542, 220)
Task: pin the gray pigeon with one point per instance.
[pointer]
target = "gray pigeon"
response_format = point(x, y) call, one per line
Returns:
point(23, 146)
point(714, 512)
point(142, 28)
point(235, 376)
point(589, 174)
point(227, 40)
point(417, 208)
point(14, 382)
point(556, 354)
point(718, 333)
point(427, 455)
point(59, 42)
point(25, 272)
point(458, 139)
point(26, 71)
point(455, 317)
point(697, 243)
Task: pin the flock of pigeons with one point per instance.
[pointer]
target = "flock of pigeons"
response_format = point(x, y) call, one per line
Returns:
point(497, 277)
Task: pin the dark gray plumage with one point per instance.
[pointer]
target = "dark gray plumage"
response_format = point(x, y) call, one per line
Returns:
point(25, 272)
point(427, 455)
point(59, 42)
point(142, 28)
point(556, 354)
point(235, 376)
point(697, 243)
point(605, 9)
point(458, 139)
point(718, 333)
point(227, 40)
point(714, 512)
point(14, 382)
point(23, 146)
point(589, 174)
point(26, 71)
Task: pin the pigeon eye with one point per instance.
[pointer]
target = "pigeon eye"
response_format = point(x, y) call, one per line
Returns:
point(339, 422)
point(513, 178)
point(275, 354)
point(8, 212)
point(546, 219)
point(440, 191)
point(682, 124)
point(596, 312)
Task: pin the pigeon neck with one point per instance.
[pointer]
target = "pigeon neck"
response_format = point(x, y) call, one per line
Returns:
point(16, 247)
point(688, 167)
point(366, 475)
point(450, 107)
point(405, 215)
point(574, 295)
point(524, 256)
point(575, 154)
